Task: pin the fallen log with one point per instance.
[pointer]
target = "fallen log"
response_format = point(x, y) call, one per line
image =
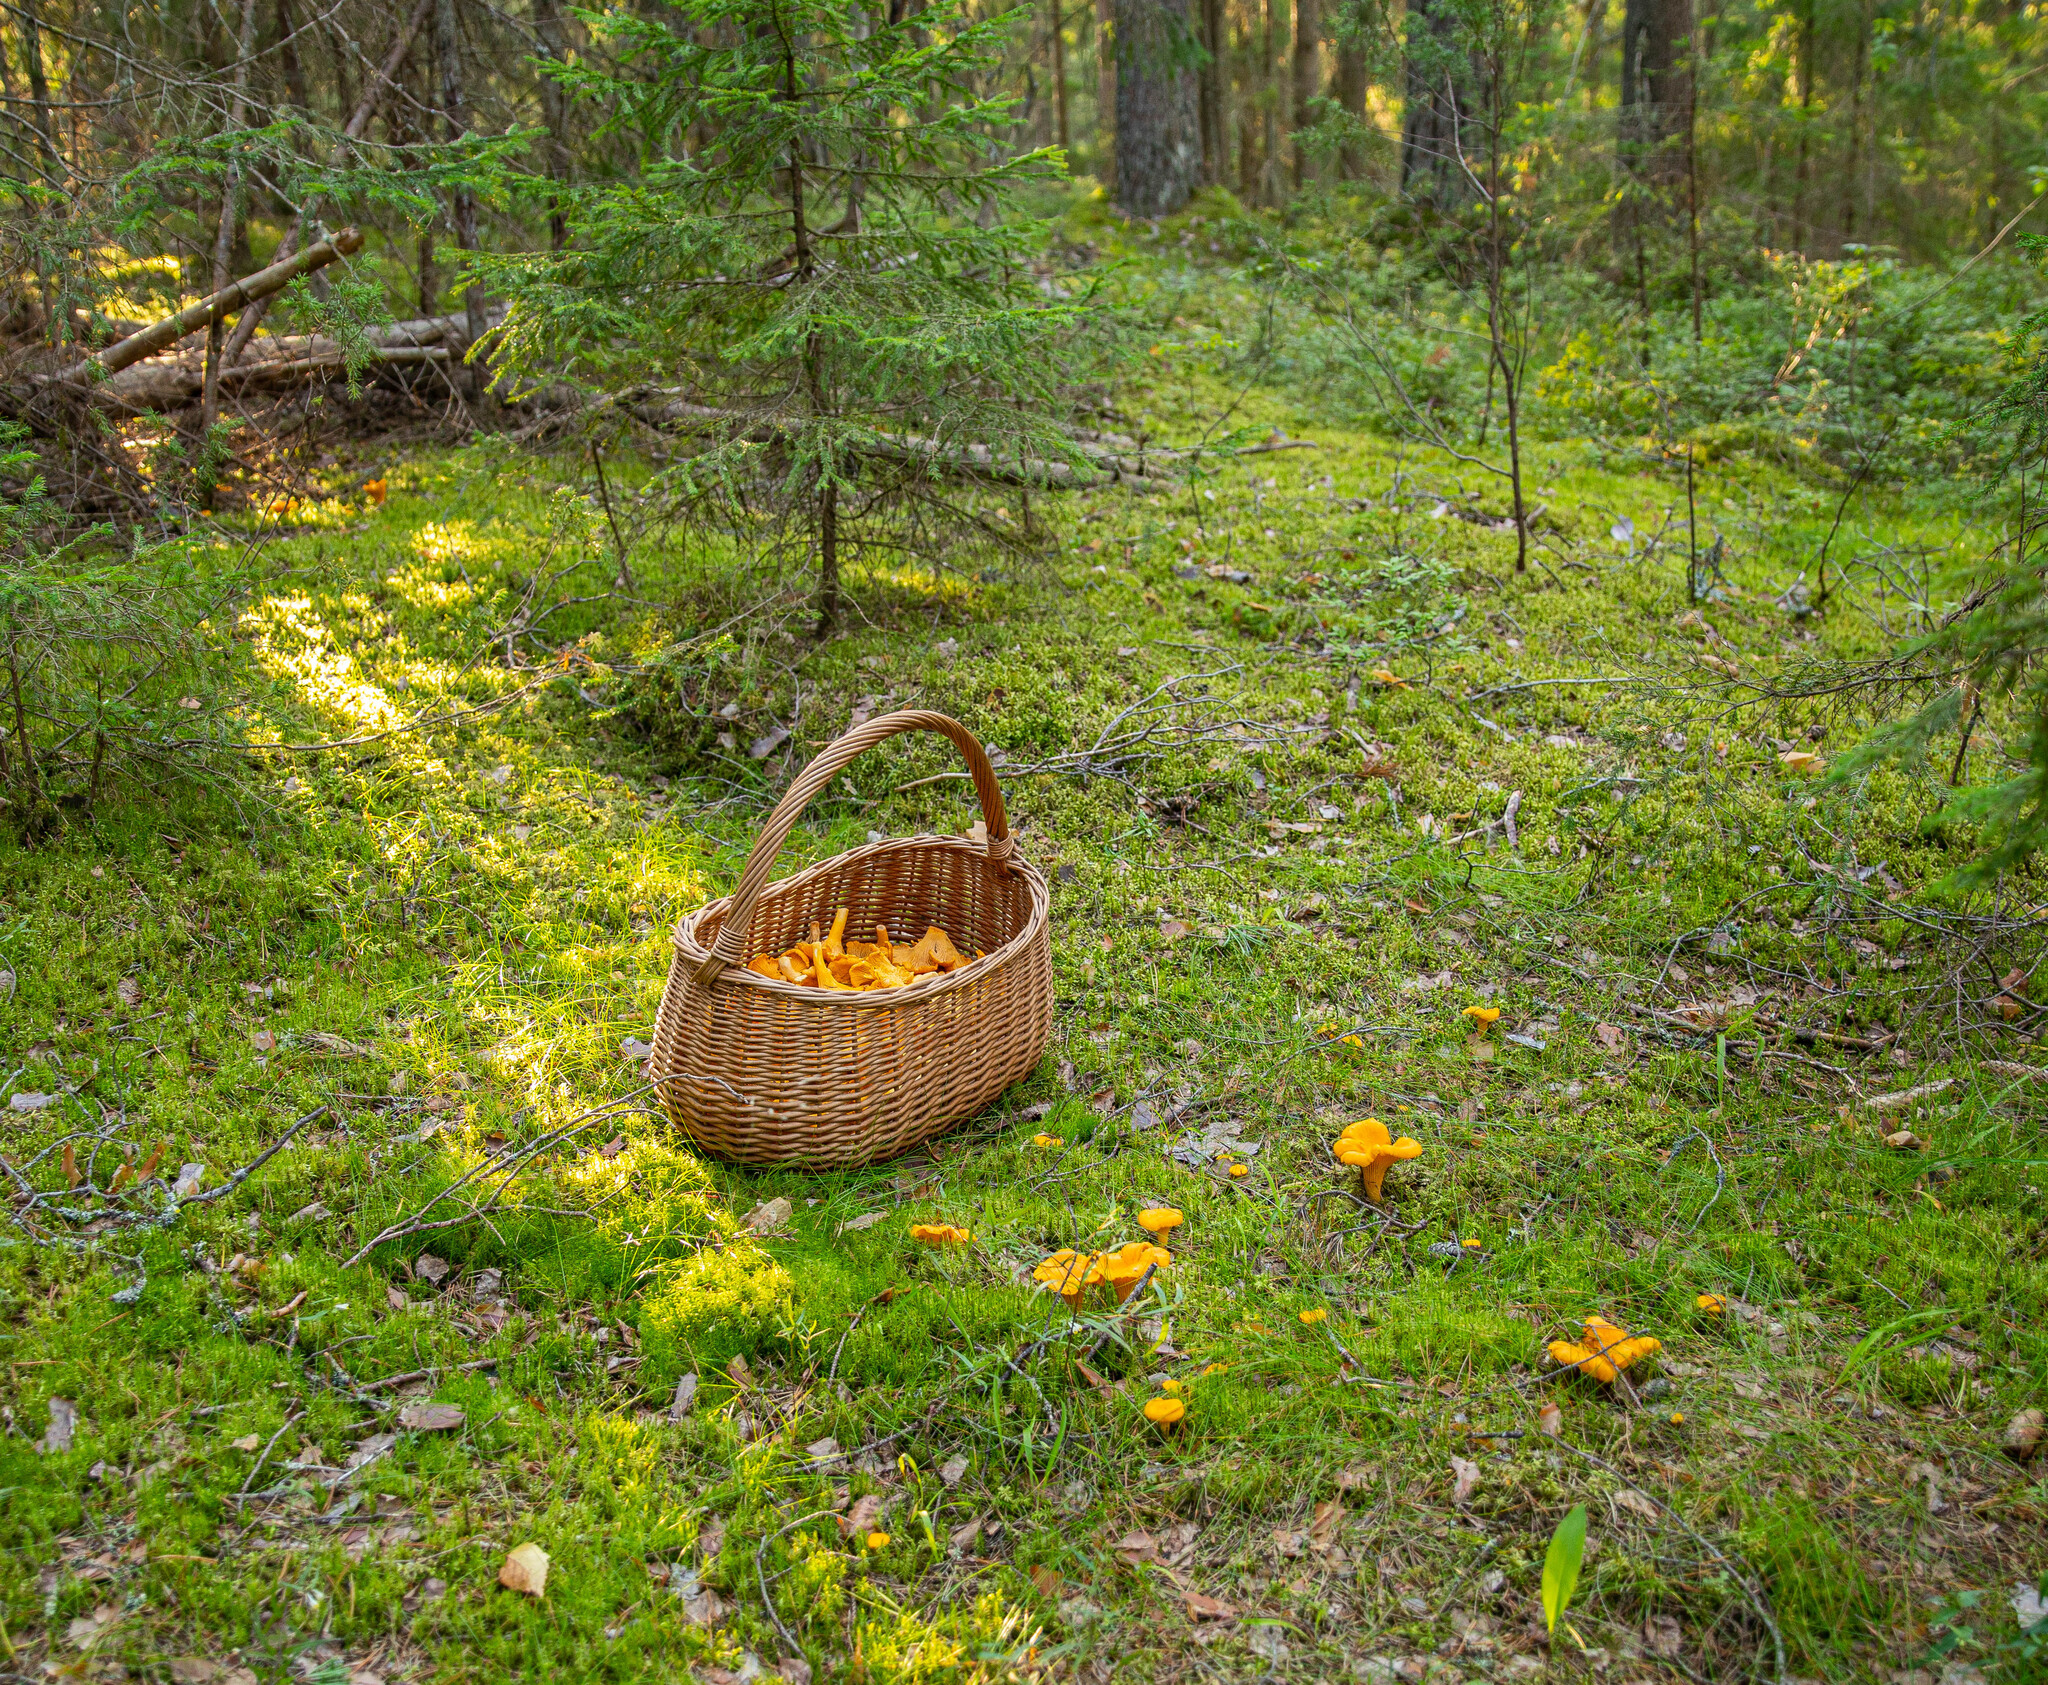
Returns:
point(969, 461)
point(169, 385)
point(235, 296)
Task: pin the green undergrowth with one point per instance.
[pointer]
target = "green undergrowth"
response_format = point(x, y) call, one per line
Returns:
point(444, 931)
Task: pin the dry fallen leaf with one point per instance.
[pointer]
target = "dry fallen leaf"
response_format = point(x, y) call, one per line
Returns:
point(1137, 1548)
point(1550, 1420)
point(1173, 930)
point(1206, 1608)
point(1046, 1580)
point(769, 1215)
point(248, 1442)
point(1636, 1504)
point(1609, 1036)
point(88, 1630)
point(952, 1470)
point(63, 1424)
point(861, 1519)
point(2022, 1436)
point(1467, 1473)
point(525, 1570)
point(964, 1537)
point(432, 1418)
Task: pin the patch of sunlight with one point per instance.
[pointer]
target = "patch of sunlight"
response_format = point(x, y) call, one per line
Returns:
point(292, 644)
point(440, 542)
point(924, 580)
point(422, 590)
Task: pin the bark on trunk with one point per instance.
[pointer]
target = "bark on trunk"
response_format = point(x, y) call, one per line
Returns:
point(454, 114)
point(1214, 85)
point(1353, 86)
point(1105, 92)
point(224, 248)
point(1159, 141)
point(1656, 96)
point(1059, 75)
point(554, 39)
point(1439, 108)
point(1308, 81)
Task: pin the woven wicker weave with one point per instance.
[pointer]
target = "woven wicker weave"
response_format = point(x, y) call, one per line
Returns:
point(768, 1072)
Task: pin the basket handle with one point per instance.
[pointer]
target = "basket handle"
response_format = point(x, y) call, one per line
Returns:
point(730, 946)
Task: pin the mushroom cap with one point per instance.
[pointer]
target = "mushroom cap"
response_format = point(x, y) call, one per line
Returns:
point(939, 1234)
point(1159, 1218)
point(1047, 1141)
point(1320, 1313)
point(1131, 1260)
point(1367, 1131)
point(1164, 1412)
point(1608, 1349)
point(1712, 1303)
point(1569, 1356)
point(1066, 1271)
point(878, 1540)
point(1484, 1015)
point(1239, 1170)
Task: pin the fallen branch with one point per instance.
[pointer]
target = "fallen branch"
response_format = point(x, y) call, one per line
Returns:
point(509, 1164)
point(255, 1164)
point(207, 311)
point(428, 1373)
point(1906, 1096)
point(972, 461)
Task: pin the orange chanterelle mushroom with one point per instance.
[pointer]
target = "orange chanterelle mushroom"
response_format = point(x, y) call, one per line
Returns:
point(1605, 1352)
point(1367, 1145)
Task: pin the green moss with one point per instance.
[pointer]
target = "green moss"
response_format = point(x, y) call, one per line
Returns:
point(733, 1301)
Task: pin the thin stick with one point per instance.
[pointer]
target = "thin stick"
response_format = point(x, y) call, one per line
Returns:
point(255, 1164)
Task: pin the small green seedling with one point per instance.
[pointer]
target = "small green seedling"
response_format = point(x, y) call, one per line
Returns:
point(1561, 1564)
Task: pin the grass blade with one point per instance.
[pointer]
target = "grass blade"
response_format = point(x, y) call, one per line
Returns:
point(1561, 1564)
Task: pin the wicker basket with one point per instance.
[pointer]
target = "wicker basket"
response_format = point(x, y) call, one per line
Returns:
point(767, 1072)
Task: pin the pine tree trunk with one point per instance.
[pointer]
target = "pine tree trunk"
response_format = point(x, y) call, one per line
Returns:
point(1158, 141)
point(547, 24)
point(1656, 94)
point(1860, 212)
point(1438, 108)
point(1215, 92)
point(1308, 80)
point(462, 205)
point(1059, 75)
point(223, 254)
point(1803, 80)
point(1105, 93)
point(1353, 87)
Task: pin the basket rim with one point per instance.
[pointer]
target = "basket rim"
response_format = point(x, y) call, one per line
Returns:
point(689, 948)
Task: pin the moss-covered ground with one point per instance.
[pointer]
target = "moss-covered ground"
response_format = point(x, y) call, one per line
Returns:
point(1388, 778)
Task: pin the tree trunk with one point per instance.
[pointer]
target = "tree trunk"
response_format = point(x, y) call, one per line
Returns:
point(1159, 141)
point(1803, 80)
point(1308, 81)
point(1438, 108)
point(1059, 75)
point(223, 254)
point(462, 206)
point(39, 86)
point(1353, 87)
point(1269, 111)
point(1656, 97)
point(1860, 215)
point(547, 24)
point(288, 57)
point(1214, 83)
point(1105, 93)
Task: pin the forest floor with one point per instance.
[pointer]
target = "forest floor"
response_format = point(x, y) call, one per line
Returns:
point(1742, 1050)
